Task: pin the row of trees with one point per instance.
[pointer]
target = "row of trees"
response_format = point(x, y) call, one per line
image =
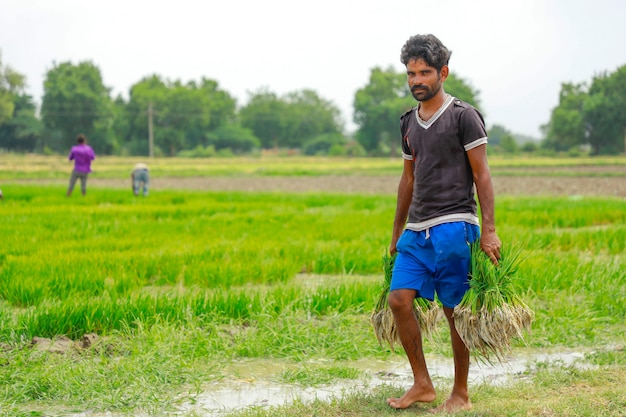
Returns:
point(180, 117)
point(201, 119)
point(591, 115)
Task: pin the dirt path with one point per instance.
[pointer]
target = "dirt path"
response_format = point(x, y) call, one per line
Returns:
point(506, 185)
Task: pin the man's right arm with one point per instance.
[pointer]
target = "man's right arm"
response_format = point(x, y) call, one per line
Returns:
point(405, 195)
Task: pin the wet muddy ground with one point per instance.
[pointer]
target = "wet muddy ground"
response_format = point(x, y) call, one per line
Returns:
point(258, 390)
point(228, 396)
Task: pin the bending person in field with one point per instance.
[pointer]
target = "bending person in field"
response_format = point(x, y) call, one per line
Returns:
point(82, 155)
point(140, 178)
point(444, 146)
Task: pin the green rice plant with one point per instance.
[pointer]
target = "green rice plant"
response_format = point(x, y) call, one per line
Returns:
point(548, 214)
point(382, 320)
point(108, 313)
point(58, 248)
point(491, 311)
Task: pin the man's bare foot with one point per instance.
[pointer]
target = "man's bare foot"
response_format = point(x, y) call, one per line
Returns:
point(413, 395)
point(453, 405)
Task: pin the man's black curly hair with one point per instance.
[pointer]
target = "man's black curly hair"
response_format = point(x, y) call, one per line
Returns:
point(426, 47)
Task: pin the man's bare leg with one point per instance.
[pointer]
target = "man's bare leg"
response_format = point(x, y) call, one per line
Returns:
point(459, 398)
point(401, 304)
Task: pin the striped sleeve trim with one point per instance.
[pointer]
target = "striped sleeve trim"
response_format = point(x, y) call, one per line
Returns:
point(407, 156)
point(475, 144)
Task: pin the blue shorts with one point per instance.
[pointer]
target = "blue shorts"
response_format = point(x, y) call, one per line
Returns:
point(436, 260)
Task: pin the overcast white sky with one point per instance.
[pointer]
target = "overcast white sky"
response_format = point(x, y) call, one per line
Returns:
point(515, 52)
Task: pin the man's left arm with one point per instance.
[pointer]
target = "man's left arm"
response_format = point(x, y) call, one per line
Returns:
point(489, 241)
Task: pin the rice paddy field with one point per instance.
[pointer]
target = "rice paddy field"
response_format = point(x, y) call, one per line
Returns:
point(245, 272)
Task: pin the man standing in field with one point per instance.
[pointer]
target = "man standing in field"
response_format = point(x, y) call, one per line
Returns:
point(444, 145)
point(82, 155)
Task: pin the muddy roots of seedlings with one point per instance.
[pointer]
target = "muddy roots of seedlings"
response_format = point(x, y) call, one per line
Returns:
point(426, 312)
point(491, 313)
point(487, 333)
point(382, 319)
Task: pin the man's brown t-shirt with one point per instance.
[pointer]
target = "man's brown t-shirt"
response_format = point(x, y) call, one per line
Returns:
point(443, 190)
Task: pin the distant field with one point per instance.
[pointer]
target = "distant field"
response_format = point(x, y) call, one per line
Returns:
point(51, 167)
point(512, 176)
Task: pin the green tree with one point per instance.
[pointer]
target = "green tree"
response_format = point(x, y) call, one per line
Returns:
point(529, 147)
point(121, 128)
point(508, 144)
point(147, 95)
point(265, 115)
point(76, 101)
point(310, 116)
point(604, 113)
point(321, 145)
point(566, 128)
point(183, 115)
point(291, 120)
point(221, 104)
point(379, 105)
point(496, 133)
point(502, 140)
point(592, 115)
point(22, 131)
point(234, 137)
point(11, 84)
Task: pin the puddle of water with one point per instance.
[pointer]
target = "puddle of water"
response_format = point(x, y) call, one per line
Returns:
point(226, 397)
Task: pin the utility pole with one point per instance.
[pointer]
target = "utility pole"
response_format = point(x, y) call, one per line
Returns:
point(150, 136)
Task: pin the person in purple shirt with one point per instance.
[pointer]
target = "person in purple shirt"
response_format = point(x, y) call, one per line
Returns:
point(82, 155)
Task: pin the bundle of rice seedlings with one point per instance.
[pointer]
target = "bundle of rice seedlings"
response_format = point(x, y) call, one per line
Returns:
point(492, 313)
point(382, 317)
